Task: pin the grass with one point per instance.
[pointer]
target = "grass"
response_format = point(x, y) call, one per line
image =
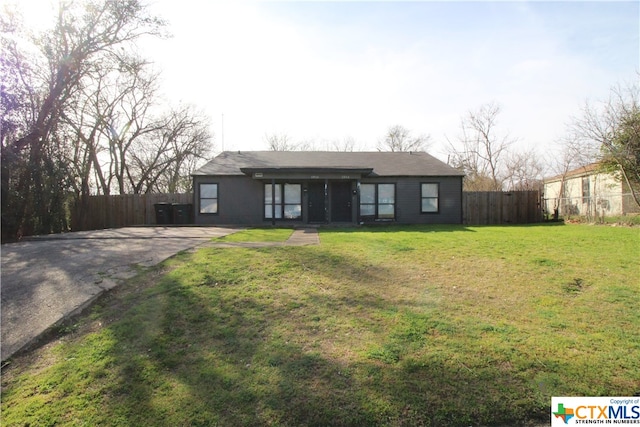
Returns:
point(258, 235)
point(445, 325)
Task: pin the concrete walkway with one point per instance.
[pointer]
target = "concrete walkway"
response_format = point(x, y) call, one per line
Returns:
point(303, 237)
point(47, 279)
point(299, 237)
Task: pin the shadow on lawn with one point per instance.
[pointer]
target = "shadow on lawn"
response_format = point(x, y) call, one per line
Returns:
point(216, 353)
point(386, 228)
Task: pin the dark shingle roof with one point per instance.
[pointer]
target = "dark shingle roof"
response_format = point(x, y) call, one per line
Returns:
point(382, 163)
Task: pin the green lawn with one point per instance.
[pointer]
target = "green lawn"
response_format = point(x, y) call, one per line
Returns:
point(258, 235)
point(445, 325)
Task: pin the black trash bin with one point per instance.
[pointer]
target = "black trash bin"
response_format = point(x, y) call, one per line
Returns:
point(182, 213)
point(163, 213)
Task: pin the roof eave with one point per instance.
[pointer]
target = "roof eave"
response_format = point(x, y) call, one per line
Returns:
point(252, 170)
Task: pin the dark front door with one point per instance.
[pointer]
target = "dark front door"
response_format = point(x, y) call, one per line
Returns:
point(316, 202)
point(341, 201)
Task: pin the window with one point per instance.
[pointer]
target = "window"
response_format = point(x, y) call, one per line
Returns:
point(368, 200)
point(286, 201)
point(378, 201)
point(271, 199)
point(585, 189)
point(429, 194)
point(208, 198)
point(292, 201)
point(386, 201)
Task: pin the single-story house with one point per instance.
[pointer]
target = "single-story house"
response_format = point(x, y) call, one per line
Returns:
point(297, 187)
point(587, 191)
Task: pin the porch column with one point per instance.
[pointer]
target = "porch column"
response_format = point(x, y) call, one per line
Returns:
point(326, 200)
point(273, 201)
point(357, 202)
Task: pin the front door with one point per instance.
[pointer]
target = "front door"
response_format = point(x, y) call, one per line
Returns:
point(341, 201)
point(316, 202)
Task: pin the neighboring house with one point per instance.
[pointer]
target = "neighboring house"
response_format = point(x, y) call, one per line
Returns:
point(587, 191)
point(297, 187)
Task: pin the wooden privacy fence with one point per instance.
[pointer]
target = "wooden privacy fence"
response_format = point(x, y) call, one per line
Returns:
point(478, 208)
point(501, 207)
point(98, 212)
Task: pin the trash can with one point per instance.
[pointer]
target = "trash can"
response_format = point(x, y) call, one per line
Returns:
point(163, 213)
point(182, 213)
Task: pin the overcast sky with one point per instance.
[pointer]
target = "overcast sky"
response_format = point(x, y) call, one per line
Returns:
point(320, 71)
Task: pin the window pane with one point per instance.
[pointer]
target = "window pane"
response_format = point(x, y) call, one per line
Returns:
point(385, 211)
point(429, 190)
point(367, 210)
point(267, 194)
point(267, 211)
point(208, 206)
point(278, 193)
point(292, 193)
point(430, 205)
point(292, 211)
point(386, 193)
point(367, 193)
point(585, 190)
point(209, 191)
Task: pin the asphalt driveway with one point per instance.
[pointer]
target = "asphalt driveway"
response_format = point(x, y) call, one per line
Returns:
point(48, 278)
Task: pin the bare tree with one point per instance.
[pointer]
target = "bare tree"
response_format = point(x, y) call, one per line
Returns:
point(523, 170)
point(84, 30)
point(399, 138)
point(33, 167)
point(283, 142)
point(560, 164)
point(113, 90)
point(81, 111)
point(143, 148)
point(191, 143)
point(165, 160)
point(610, 133)
point(279, 142)
point(346, 144)
point(480, 150)
point(132, 128)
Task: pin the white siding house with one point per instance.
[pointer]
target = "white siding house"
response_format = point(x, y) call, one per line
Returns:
point(587, 191)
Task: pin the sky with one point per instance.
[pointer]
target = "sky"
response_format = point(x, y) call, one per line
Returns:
point(324, 71)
